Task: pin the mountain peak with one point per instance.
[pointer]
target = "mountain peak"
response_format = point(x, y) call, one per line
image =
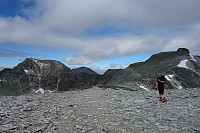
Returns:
point(183, 50)
point(85, 70)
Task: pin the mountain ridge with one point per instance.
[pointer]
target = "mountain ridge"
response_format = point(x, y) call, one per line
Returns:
point(181, 69)
point(145, 73)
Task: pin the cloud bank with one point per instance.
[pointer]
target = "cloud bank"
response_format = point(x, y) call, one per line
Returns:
point(11, 53)
point(1, 68)
point(141, 25)
point(101, 70)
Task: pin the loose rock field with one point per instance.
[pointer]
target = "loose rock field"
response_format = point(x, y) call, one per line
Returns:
point(98, 110)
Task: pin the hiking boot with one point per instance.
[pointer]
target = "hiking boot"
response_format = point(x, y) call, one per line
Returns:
point(164, 100)
point(160, 99)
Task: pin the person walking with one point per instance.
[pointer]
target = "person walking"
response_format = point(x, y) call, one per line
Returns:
point(160, 86)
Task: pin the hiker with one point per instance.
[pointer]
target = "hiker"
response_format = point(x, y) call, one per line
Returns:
point(160, 86)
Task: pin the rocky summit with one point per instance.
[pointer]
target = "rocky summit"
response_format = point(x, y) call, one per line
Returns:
point(98, 110)
point(181, 70)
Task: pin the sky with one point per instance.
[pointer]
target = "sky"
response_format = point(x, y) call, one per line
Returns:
point(99, 34)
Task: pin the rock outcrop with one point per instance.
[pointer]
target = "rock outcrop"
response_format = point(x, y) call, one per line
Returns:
point(183, 50)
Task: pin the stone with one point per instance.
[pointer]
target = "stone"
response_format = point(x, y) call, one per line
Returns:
point(99, 110)
point(79, 127)
point(40, 129)
point(84, 129)
point(71, 105)
point(7, 127)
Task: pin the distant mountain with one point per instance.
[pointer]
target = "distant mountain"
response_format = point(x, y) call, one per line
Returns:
point(85, 70)
point(181, 70)
point(40, 75)
point(87, 76)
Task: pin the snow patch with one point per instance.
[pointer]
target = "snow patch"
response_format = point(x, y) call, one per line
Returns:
point(193, 58)
point(183, 64)
point(3, 80)
point(26, 71)
point(50, 91)
point(180, 87)
point(141, 86)
point(39, 90)
point(42, 91)
point(169, 77)
point(35, 61)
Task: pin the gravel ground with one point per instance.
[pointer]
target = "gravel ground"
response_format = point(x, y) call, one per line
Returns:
point(98, 110)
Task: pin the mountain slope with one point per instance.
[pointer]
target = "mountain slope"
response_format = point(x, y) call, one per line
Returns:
point(180, 68)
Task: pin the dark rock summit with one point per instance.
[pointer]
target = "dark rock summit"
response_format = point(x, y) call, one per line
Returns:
point(183, 50)
point(85, 70)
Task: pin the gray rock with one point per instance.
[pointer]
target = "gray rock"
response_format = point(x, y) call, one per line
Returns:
point(40, 129)
point(7, 127)
point(100, 110)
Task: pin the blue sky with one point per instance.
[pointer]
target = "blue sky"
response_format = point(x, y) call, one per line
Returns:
point(97, 34)
point(57, 54)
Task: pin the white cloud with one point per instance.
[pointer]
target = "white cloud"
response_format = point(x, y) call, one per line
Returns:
point(101, 70)
point(78, 15)
point(3, 67)
point(13, 53)
point(108, 47)
point(165, 25)
point(41, 57)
